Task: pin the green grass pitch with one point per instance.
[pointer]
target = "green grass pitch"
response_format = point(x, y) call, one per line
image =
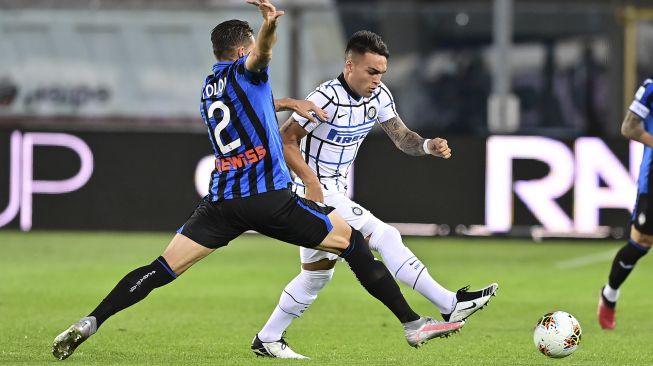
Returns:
point(210, 314)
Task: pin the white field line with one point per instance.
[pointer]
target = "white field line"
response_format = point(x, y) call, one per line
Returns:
point(587, 260)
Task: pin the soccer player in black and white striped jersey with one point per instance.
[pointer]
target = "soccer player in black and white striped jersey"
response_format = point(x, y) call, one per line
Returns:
point(321, 154)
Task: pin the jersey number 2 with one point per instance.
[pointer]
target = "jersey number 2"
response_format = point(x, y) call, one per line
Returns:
point(222, 124)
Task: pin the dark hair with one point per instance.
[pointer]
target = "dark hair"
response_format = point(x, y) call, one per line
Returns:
point(366, 41)
point(227, 36)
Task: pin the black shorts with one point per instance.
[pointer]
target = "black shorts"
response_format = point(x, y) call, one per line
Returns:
point(642, 218)
point(280, 214)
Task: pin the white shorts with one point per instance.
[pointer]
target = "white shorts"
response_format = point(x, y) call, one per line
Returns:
point(355, 215)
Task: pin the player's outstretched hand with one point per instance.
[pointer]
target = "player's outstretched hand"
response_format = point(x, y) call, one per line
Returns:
point(439, 147)
point(268, 11)
point(309, 110)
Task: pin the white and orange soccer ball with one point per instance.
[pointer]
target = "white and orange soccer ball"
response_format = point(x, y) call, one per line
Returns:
point(557, 334)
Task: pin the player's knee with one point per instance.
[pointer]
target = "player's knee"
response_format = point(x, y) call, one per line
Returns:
point(645, 241)
point(316, 280)
point(373, 230)
point(370, 226)
point(385, 235)
point(339, 237)
point(393, 232)
point(642, 239)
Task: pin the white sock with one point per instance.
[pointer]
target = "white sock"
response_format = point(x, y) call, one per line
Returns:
point(610, 293)
point(295, 299)
point(407, 268)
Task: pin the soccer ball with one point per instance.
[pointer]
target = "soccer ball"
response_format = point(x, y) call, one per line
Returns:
point(557, 334)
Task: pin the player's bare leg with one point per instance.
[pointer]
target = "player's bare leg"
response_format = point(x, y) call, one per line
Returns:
point(623, 263)
point(183, 252)
point(339, 238)
point(180, 255)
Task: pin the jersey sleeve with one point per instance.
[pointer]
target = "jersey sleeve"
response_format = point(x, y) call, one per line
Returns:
point(253, 77)
point(322, 99)
point(386, 104)
point(643, 101)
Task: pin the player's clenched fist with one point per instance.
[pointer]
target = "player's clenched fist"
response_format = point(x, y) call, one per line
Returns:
point(439, 147)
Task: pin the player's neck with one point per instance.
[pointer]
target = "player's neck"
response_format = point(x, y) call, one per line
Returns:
point(343, 80)
point(233, 57)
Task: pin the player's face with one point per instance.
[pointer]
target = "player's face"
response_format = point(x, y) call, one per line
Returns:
point(365, 72)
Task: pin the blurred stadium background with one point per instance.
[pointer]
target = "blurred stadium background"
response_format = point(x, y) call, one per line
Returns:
point(99, 119)
point(100, 134)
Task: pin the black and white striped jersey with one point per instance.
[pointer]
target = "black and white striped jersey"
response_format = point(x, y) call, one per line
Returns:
point(331, 146)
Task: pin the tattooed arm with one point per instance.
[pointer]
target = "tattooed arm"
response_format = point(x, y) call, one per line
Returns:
point(412, 143)
point(632, 128)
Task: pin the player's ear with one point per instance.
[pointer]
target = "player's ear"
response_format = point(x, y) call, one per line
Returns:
point(349, 64)
point(245, 49)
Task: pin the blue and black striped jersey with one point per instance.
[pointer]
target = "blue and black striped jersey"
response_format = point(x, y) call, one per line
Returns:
point(642, 106)
point(238, 109)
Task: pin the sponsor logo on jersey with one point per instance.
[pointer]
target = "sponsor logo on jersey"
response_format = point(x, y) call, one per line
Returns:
point(344, 137)
point(241, 160)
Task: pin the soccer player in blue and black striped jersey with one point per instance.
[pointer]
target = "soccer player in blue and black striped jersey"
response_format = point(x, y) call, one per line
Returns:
point(238, 109)
point(636, 126)
point(250, 191)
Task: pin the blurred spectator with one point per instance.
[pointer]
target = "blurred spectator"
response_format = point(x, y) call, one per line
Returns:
point(8, 92)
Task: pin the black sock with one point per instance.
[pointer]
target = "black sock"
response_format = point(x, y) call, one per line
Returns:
point(375, 277)
point(133, 288)
point(624, 262)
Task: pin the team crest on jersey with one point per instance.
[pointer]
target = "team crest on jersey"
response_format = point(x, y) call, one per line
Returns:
point(357, 211)
point(371, 113)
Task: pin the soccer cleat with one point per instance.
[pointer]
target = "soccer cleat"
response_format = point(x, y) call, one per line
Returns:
point(65, 343)
point(277, 349)
point(606, 312)
point(420, 331)
point(469, 302)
